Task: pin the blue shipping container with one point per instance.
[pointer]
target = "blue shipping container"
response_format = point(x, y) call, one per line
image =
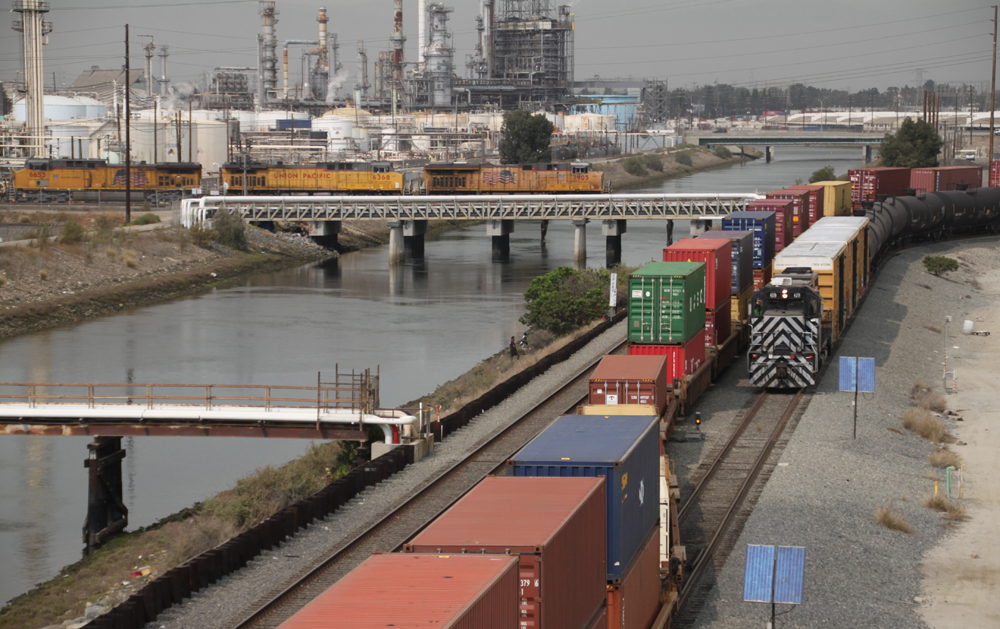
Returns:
point(625, 450)
point(292, 123)
point(762, 226)
point(742, 257)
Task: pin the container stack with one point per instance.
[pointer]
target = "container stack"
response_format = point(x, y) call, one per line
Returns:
point(557, 527)
point(946, 178)
point(817, 199)
point(836, 198)
point(762, 224)
point(868, 183)
point(717, 256)
point(666, 315)
point(800, 208)
point(783, 219)
point(629, 381)
point(624, 450)
point(994, 174)
point(741, 284)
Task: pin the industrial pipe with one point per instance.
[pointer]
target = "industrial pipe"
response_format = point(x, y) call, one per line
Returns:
point(421, 30)
point(288, 43)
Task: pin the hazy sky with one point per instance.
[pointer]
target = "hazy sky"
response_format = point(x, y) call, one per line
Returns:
point(847, 43)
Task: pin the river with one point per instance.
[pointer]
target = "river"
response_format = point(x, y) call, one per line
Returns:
point(422, 323)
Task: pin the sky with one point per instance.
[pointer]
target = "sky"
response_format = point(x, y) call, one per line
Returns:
point(855, 44)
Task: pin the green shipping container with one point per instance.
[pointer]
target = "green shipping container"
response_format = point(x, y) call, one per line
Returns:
point(666, 302)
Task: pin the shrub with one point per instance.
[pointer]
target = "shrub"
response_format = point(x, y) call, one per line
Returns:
point(564, 299)
point(945, 458)
point(924, 424)
point(684, 158)
point(43, 275)
point(129, 258)
point(891, 519)
point(202, 236)
point(653, 162)
point(111, 252)
point(24, 218)
point(722, 152)
point(42, 235)
point(146, 219)
point(823, 174)
point(633, 166)
point(951, 509)
point(72, 232)
point(925, 397)
point(936, 265)
point(3, 280)
point(230, 229)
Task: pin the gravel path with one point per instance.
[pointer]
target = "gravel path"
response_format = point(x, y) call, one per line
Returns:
point(827, 487)
point(228, 601)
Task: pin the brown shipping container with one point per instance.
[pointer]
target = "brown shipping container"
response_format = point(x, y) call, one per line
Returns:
point(718, 326)
point(718, 258)
point(868, 182)
point(945, 178)
point(995, 174)
point(630, 380)
point(635, 603)
point(683, 359)
point(558, 526)
point(800, 208)
point(782, 219)
point(762, 277)
point(416, 590)
point(817, 198)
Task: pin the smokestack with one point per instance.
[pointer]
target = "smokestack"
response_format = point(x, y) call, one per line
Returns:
point(269, 47)
point(163, 71)
point(284, 76)
point(324, 61)
point(421, 30)
point(397, 45)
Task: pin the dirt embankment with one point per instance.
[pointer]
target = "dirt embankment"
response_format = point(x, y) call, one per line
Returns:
point(636, 171)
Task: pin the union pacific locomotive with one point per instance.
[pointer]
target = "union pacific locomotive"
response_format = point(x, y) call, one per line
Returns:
point(571, 178)
point(60, 180)
point(321, 178)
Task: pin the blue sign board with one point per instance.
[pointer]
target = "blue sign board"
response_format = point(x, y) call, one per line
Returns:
point(774, 575)
point(857, 374)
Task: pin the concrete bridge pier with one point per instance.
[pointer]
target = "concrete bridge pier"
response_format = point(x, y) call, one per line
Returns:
point(768, 154)
point(866, 153)
point(324, 233)
point(545, 230)
point(106, 510)
point(397, 252)
point(670, 232)
point(699, 227)
point(613, 231)
point(500, 230)
point(413, 238)
point(580, 243)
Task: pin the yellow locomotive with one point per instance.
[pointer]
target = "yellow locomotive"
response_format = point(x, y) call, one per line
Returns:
point(60, 180)
point(567, 178)
point(323, 178)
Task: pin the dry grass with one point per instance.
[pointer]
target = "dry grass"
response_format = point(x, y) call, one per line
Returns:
point(951, 509)
point(921, 422)
point(893, 520)
point(111, 252)
point(926, 397)
point(129, 258)
point(933, 328)
point(43, 275)
point(945, 458)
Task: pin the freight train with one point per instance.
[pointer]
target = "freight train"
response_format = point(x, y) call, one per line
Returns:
point(321, 178)
point(62, 180)
point(568, 178)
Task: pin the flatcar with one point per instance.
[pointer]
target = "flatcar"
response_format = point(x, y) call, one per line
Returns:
point(565, 178)
point(59, 180)
point(325, 178)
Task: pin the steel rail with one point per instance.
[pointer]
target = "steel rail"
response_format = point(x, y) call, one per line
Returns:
point(708, 554)
point(261, 614)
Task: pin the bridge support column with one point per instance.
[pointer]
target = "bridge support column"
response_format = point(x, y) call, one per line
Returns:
point(500, 230)
point(768, 154)
point(396, 250)
point(866, 153)
point(413, 238)
point(106, 512)
point(670, 232)
point(324, 233)
point(613, 231)
point(580, 243)
point(699, 227)
point(545, 230)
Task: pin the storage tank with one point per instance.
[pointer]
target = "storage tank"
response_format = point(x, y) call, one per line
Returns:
point(339, 131)
point(94, 108)
point(56, 108)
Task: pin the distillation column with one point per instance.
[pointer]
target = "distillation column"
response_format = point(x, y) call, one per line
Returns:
point(34, 32)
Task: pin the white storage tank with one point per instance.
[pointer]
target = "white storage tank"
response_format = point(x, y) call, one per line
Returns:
point(339, 131)
point(55, 108)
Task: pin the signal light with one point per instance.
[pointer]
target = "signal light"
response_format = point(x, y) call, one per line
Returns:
point(793, 356)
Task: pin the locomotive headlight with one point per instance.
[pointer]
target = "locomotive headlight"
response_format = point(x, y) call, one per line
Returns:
point(784, 293)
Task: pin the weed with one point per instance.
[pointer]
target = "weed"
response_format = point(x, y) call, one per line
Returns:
point(945, 458)
point(924, 424)
point(129, 258)
point(926, 397)
point(202, 236)
point(634, 166)
point(974, 283)
point(955, 511)
point(72, 232)
point(933, 328)
point(936, 265)
point(722, 152)
point(684, 158)
point(951, 509)
point(111, 252)
point(146, 219)
point(936, 501)
point(24, 218)
point(3, 280)
point(43, 275)
point(893, 520)
point(653, 162)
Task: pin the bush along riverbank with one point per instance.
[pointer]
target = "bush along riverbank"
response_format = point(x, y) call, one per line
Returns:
point(643, 169)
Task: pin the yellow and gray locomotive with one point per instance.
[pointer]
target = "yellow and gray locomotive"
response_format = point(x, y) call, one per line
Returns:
point(64, 180)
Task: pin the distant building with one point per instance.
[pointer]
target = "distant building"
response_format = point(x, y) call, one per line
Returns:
point(101, 84)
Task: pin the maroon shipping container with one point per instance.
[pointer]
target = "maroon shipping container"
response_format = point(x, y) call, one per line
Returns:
point(558, 526)
point(868, 182)
point(817, 199)
point(636, 602)
point(782, 221)
point(945, 178)
point(718, 258)
point(683, 359)
point(718, 325)
point(601, 620)
point(800, 208)
point(995, 174)
point(762, 277)
point(411, 590)
point(630, 380)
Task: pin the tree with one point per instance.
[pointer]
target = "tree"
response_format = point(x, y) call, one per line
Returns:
point(525, 138)
point(823, 174)
point(564, 299)
point(936, 265)
point(915, 145)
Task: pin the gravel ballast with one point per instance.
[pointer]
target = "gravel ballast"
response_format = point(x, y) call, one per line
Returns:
point(827, 487)
point(234, 597)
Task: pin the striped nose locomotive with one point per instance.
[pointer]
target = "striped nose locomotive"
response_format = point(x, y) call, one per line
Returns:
point(786, 331)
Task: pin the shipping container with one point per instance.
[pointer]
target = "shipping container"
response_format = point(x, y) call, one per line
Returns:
point(740, 304)
point(683, 359)
point(558, 526)
point(836, 198)
point(994, 174)
point(827, 260)
point(817, 199)
point(853, 232)
point(666, 302)
point(416, 590)
point(600, 620)
point(635, 603)
point(783, 219)
point(718, 325)
point(630, 380)
point(800, 208)
point(762, 224)
point(761, 277)
point(625, 451)
point(717, 256)
point(287, 125)
point(866, 183)
point(742, 257)
point(646, 410)
point(946, 178)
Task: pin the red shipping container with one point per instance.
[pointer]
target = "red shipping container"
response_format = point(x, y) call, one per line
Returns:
point(718, 325)
point(683, 359)
point(995, 174)
point(718, 258)
point(557, 525)
point(945, 178)
point(868, 182)
point(800, 208)
point(817, 198)
point(630, 380)
point(409, 590)
point(761, 277)
point(782, 222)
point(636, 602)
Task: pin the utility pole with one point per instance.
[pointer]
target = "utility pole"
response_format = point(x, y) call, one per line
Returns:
point(190, 134)
point(128, 136)
point(156, 103)
point(970, 116)
point(179, 136)
point(993, 82)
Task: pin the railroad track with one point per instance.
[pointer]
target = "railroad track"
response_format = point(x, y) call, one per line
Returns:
point(712, 518)
point(406, 520)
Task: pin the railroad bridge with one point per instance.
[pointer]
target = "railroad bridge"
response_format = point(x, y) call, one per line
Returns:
point(770, 139)
point(408, 216)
